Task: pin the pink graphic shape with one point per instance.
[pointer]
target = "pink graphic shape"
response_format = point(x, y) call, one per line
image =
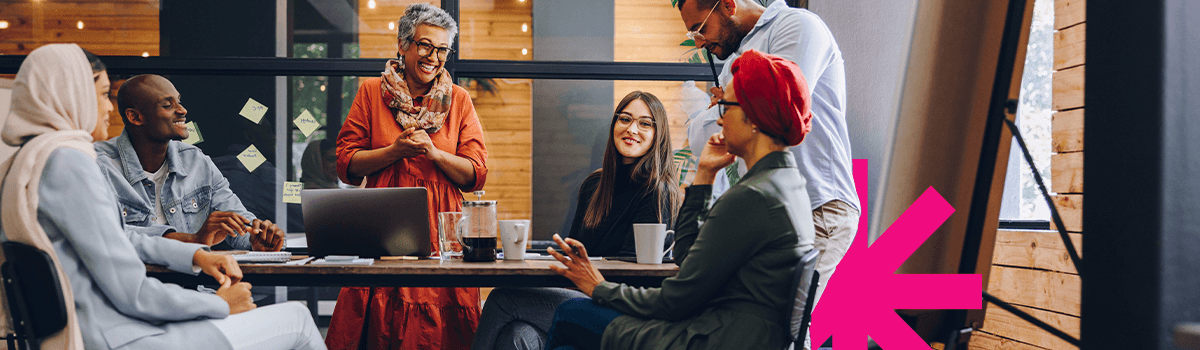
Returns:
point(865, 290)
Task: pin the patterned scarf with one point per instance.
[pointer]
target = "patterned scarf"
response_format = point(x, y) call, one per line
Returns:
point(432, 114)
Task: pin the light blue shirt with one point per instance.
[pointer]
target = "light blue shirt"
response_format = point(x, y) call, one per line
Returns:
point(116, 304)
point(824, 156)
point(194, 189)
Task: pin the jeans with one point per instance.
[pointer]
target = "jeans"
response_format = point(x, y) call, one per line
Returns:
point(518, 318)
point(579, 324)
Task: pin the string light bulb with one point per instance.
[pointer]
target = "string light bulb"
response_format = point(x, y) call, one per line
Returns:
point(524, 27)
point(79, 25)
point(391, 25)
point(371, 4)
point(3, 24)
point(145, 54)
point(524, 52)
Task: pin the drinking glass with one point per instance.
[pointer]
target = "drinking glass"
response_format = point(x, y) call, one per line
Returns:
point(448, 246)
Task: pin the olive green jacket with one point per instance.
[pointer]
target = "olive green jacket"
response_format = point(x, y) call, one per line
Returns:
point(736, 262)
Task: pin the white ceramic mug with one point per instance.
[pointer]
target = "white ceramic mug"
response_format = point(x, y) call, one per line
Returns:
point(513, 236)
point(648, 240)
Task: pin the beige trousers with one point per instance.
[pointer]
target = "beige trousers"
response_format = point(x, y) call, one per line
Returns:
point(836, 223)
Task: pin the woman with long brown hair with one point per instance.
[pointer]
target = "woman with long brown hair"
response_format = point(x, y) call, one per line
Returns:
point(635, 185)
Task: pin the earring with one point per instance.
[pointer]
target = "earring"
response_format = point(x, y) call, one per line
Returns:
point(755, 130)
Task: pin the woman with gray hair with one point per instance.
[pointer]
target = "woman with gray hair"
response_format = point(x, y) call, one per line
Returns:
point(412, 127)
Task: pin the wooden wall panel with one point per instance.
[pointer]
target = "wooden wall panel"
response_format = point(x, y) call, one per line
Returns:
point(1066, 170)
point(1032, 269)
point(648, 31)
point(1004, 324)
point(1070, 208)
point(1069, 47)
point(985, 340)
point(1069, 12)
point(127, 28)
point(375, 40)
point(1068, 89)
point(1052, 291)
point(1035, 249)
point(1067, 134)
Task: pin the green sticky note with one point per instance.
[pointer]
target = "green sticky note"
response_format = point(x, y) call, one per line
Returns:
point(306, 123)
point(253, 110)
point(251, 158)
point(193, 134)
point(291, 192)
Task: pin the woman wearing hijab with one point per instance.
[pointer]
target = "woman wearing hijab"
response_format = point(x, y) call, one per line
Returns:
point(412, 127)
point(736, 259)
point(318, 165)
point(55, 198)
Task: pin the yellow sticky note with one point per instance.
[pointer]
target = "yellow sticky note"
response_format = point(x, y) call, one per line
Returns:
point(306, 123)
point(291, 191)
point(253, 110)
point(193, 134)
point(251, 158)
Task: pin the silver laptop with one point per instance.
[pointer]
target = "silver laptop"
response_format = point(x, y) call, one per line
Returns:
point(367, 222)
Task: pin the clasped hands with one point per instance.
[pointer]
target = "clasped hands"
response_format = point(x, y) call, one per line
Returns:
point(264, 235)
point(225, 270)
point(410, 143)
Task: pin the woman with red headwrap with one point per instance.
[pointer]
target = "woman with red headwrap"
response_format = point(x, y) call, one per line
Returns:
point(736, 260)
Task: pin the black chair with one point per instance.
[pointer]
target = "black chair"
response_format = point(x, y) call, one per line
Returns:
point(36, 304)
point(803, 291)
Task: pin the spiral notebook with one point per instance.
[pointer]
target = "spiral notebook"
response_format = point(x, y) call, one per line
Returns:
point(243, 256)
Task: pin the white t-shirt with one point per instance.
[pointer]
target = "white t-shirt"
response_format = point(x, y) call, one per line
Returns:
point(159, 177)
point(824, 156)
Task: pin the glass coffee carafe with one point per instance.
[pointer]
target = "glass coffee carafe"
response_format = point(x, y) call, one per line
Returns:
point(478, 230)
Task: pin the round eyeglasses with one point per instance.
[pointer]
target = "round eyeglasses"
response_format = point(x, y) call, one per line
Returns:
point(644, 124)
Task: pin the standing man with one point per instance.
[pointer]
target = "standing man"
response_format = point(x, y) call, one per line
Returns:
point(164, 185)
point(727, 28)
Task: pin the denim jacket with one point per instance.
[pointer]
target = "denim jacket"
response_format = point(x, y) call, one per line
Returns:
point(194, 189)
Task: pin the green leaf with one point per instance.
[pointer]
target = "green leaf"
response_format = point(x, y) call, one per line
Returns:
point(673, 2)
point(688, 42)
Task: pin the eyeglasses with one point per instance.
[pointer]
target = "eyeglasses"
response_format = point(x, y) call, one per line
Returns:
point(425, 49)
point(721, 106)
point(695, 34)
point(644, 124)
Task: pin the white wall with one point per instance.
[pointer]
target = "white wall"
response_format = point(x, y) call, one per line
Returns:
point(876, 38)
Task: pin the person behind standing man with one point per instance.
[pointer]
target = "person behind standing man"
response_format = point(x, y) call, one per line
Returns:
point(412, 127)
point(164, 185)
point(728, 28)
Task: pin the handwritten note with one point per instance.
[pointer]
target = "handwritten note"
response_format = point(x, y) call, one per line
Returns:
point(251, 158)
point(253, 110)
point(306, 123)
point(193, 134)
point(291, 192)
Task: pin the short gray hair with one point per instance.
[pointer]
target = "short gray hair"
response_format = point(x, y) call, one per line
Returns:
point(418, 14)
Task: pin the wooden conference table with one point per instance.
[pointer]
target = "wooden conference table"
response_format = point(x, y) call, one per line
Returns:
point(427, 273)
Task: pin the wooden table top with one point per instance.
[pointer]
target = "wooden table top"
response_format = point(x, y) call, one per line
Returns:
point(428, 273)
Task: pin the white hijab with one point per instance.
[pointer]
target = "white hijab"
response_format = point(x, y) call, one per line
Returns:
point(53, 106)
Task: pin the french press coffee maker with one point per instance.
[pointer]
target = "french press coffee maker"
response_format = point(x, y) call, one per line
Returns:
point(479, 226)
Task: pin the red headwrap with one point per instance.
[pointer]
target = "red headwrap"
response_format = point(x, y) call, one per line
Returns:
point(774, 95)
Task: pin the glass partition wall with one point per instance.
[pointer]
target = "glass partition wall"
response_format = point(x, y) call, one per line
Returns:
point(544, 77)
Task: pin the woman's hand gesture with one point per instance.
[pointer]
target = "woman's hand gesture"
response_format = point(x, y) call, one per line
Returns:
point(713, 158)
point(579, 269)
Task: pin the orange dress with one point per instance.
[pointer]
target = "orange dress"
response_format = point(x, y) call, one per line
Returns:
point(409, 318)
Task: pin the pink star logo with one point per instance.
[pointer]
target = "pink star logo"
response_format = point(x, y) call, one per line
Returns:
point(853, 305)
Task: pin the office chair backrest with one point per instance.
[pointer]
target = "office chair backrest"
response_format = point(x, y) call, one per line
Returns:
point(34, 292)
point(803, 291)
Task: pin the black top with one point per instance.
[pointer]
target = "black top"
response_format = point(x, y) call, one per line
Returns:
point(632, 203)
